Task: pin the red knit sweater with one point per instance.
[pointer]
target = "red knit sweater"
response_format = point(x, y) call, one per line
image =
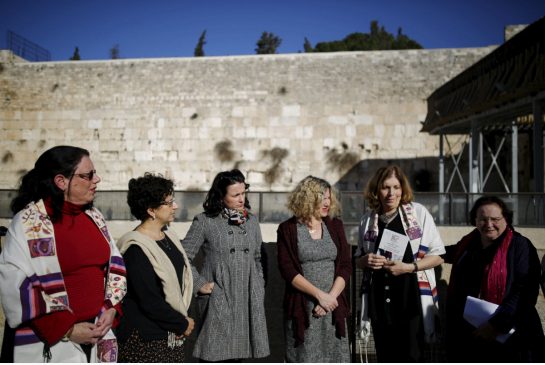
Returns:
point(83, 254)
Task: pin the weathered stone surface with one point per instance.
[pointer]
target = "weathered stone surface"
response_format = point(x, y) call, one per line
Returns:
point(167, 115)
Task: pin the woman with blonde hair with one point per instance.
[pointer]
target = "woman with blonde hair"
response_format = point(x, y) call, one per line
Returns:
point(314, 259)
point(398, 247)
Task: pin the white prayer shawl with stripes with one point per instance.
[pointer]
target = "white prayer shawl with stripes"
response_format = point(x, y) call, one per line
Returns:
point(32, 285)
point(425, 240)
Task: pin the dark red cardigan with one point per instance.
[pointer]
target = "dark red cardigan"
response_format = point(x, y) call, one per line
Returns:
point(295, 301)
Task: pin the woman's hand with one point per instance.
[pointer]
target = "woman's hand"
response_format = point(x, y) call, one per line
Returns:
point(207, 288)
point(327, 301)
point(85, 333)
point(105, 321)
point(190, 326)
point(397, 268)
point(318, 311)
point(371, 261)
point(486, 332)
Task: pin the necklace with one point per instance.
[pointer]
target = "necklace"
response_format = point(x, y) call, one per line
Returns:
point(387, 218)
point(312, 230)
point(164, 242)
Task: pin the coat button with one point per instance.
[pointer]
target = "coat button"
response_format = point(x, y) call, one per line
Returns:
point(232, 250)
point(246, 250)
point(230, 232)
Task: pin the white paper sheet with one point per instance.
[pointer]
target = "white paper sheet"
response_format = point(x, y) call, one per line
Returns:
point(478, 311)
point(393, 245)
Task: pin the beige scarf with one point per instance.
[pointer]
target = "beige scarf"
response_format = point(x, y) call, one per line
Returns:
point(178, 298)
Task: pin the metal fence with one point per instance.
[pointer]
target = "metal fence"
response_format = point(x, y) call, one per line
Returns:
point(26, 49)
point(449, 209)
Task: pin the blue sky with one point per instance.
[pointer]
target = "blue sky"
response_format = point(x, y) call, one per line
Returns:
point(162, 28)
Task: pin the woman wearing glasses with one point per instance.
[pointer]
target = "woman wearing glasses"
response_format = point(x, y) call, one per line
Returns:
point(230, 284)
point(61, 276)
point(160, 284)
point(496, 264)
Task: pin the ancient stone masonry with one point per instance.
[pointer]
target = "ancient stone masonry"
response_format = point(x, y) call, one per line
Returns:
point(276, 117)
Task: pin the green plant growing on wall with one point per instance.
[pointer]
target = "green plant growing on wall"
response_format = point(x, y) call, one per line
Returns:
point(9, 95)
point(342, 160)
point(224, 151)
point(8, 157)
point(277, 155)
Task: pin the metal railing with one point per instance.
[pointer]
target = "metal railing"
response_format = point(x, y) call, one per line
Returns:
point(448, 209)
point(26, 49)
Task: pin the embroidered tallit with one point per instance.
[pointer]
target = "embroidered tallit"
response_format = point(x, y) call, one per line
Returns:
point(424, 240)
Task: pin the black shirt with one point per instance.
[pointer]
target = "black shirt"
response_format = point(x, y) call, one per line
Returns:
point(144, 307)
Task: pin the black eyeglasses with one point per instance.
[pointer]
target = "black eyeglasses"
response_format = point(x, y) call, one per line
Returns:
point(87, 175)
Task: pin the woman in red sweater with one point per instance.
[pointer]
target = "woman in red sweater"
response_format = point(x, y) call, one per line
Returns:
point(62, 276)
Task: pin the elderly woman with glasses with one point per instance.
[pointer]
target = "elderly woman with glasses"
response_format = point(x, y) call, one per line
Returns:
point(62, 278)
point(160, 283)
point(230, 286)
point(498, 265)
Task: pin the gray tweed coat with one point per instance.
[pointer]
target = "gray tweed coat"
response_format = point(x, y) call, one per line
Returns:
point(234, 324)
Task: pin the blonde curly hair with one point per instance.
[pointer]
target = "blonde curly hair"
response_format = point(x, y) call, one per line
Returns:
point(306, 200)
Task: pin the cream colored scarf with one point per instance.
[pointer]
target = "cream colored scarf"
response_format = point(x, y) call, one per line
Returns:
point(178, 298)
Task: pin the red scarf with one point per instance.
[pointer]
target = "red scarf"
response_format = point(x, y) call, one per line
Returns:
point(495, 273)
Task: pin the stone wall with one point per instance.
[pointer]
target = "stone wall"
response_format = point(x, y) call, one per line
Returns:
point(276, 117)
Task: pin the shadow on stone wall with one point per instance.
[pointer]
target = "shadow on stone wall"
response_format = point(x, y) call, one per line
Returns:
point(423, 173)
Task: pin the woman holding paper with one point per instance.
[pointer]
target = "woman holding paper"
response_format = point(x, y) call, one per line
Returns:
point(498, 265)
point(314, 259)
point(398, 247)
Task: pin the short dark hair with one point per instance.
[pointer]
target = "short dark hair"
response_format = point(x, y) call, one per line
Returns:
point(148, 191)
point(486, 200)
point(39, 183)
point(213, 204)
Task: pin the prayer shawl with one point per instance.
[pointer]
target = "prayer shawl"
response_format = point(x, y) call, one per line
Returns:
point(178, 298)
point(32, 285)
point(424, 240)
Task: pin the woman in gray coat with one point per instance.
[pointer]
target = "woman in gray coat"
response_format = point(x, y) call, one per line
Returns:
point(230, 285)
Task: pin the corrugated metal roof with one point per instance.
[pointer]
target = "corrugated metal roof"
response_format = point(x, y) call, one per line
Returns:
point(497, 90)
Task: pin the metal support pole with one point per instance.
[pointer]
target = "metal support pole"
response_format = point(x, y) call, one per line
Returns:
point(481, 163)
point(473, 160)
point(441, 180)
point(538, 147)
point(514, 171)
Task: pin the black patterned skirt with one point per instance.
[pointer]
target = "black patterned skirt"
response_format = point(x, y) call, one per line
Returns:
point(136, 349)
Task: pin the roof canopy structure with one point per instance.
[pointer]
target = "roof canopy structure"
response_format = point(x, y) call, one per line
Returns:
point(497, 90)
point(500, 96)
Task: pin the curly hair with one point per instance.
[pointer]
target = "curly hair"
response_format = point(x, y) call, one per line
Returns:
point(39, 183)
point(213, 204)
point(306, 200)
point(148, 191)
point(487, 200)
point(371, 192)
